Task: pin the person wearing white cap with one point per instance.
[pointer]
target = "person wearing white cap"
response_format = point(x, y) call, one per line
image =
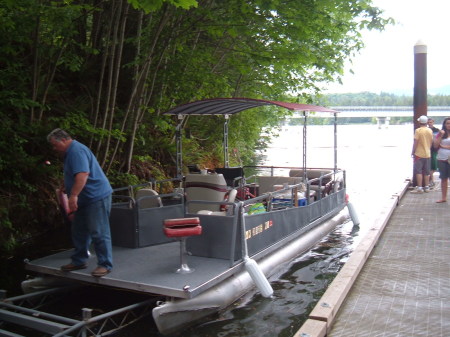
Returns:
point(423, 138)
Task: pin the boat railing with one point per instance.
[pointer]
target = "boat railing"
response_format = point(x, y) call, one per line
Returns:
point(137, 221)
point(160, 186)
point(227, 208)
point(290, 196)
point(325, 181)
point(125, 201)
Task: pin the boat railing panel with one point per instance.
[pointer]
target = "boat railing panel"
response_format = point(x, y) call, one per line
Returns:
point(220, 237)
point(133, 226)
point(274, 216)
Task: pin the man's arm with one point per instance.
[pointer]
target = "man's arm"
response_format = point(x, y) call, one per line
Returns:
point(414, 147)
point(80, 182)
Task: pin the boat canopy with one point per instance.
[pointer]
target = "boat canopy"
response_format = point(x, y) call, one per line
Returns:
point(229, 106)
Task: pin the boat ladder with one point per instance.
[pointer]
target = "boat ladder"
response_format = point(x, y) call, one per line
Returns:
point(21, 314)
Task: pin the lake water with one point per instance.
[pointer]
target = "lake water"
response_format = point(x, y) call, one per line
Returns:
point(377, 161)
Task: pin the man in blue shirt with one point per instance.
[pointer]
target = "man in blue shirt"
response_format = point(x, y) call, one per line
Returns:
point(89, 193)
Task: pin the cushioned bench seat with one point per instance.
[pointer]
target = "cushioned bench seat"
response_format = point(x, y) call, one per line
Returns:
point(267, 183)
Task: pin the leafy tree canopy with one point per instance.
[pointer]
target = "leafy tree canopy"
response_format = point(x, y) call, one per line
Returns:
point(149, 6)
point(107, 70)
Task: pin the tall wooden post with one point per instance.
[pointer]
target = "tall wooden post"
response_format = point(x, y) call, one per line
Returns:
point(420, 86)
point(420, 81)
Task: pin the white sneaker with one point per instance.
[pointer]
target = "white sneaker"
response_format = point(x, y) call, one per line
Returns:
point(426, 189)
point(417, 189)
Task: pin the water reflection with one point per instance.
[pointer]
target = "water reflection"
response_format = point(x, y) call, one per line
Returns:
point(297, 288)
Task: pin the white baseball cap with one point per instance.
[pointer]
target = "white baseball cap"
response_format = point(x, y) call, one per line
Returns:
point(422, 119)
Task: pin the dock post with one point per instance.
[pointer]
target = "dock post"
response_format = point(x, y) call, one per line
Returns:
point(420, 86)
point(420, 82)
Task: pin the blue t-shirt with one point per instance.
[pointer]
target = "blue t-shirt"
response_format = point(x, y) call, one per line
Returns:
point(79, 158)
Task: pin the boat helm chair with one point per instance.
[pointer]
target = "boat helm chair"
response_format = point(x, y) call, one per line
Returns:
point(207, 187)
point(181, 229)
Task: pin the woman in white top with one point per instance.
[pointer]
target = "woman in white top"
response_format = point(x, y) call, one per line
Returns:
point(442, 144)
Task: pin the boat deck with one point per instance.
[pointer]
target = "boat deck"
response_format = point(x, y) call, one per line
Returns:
point(149, 270)
point(403, 287)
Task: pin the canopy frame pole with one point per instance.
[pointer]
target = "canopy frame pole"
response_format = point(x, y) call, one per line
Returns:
point(226, 160)
point(305, 175)
point(178, 135)
point(335, 142)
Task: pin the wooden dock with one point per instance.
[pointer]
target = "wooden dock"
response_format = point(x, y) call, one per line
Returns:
point(397, 281)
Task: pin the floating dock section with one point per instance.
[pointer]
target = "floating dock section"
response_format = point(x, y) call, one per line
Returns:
point(397, 281)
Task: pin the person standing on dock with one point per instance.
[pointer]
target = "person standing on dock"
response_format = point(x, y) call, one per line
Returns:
point(423, 139)
point(434, 164)
point(442, 143)
point(89, 193)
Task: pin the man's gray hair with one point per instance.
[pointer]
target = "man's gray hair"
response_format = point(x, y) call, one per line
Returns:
point(58, 135)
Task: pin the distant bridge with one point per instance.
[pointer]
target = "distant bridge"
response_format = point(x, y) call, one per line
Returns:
point(383, 114)
point(385, 111)
point(388, 111)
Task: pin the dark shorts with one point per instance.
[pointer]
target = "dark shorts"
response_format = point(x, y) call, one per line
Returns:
point(434, 162)
point(422, 165)
point(444, 169)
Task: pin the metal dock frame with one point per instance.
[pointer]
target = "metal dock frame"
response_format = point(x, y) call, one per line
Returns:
point(23, 311)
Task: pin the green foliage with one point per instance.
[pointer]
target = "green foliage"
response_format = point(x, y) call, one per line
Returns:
point(107, 70)
point(26, 189)
point(149, 6)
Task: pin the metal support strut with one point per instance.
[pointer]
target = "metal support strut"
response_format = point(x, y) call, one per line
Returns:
point(226, 160)
point(17, 314)
point(179, 141)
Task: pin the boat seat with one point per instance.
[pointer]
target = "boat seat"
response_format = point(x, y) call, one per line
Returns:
point(232, 175)
point(313, 174)
point(328, 184)
point(146, 198)
point(229, 197)
point(205, 187)
point(181, 229)
point(267, 183)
